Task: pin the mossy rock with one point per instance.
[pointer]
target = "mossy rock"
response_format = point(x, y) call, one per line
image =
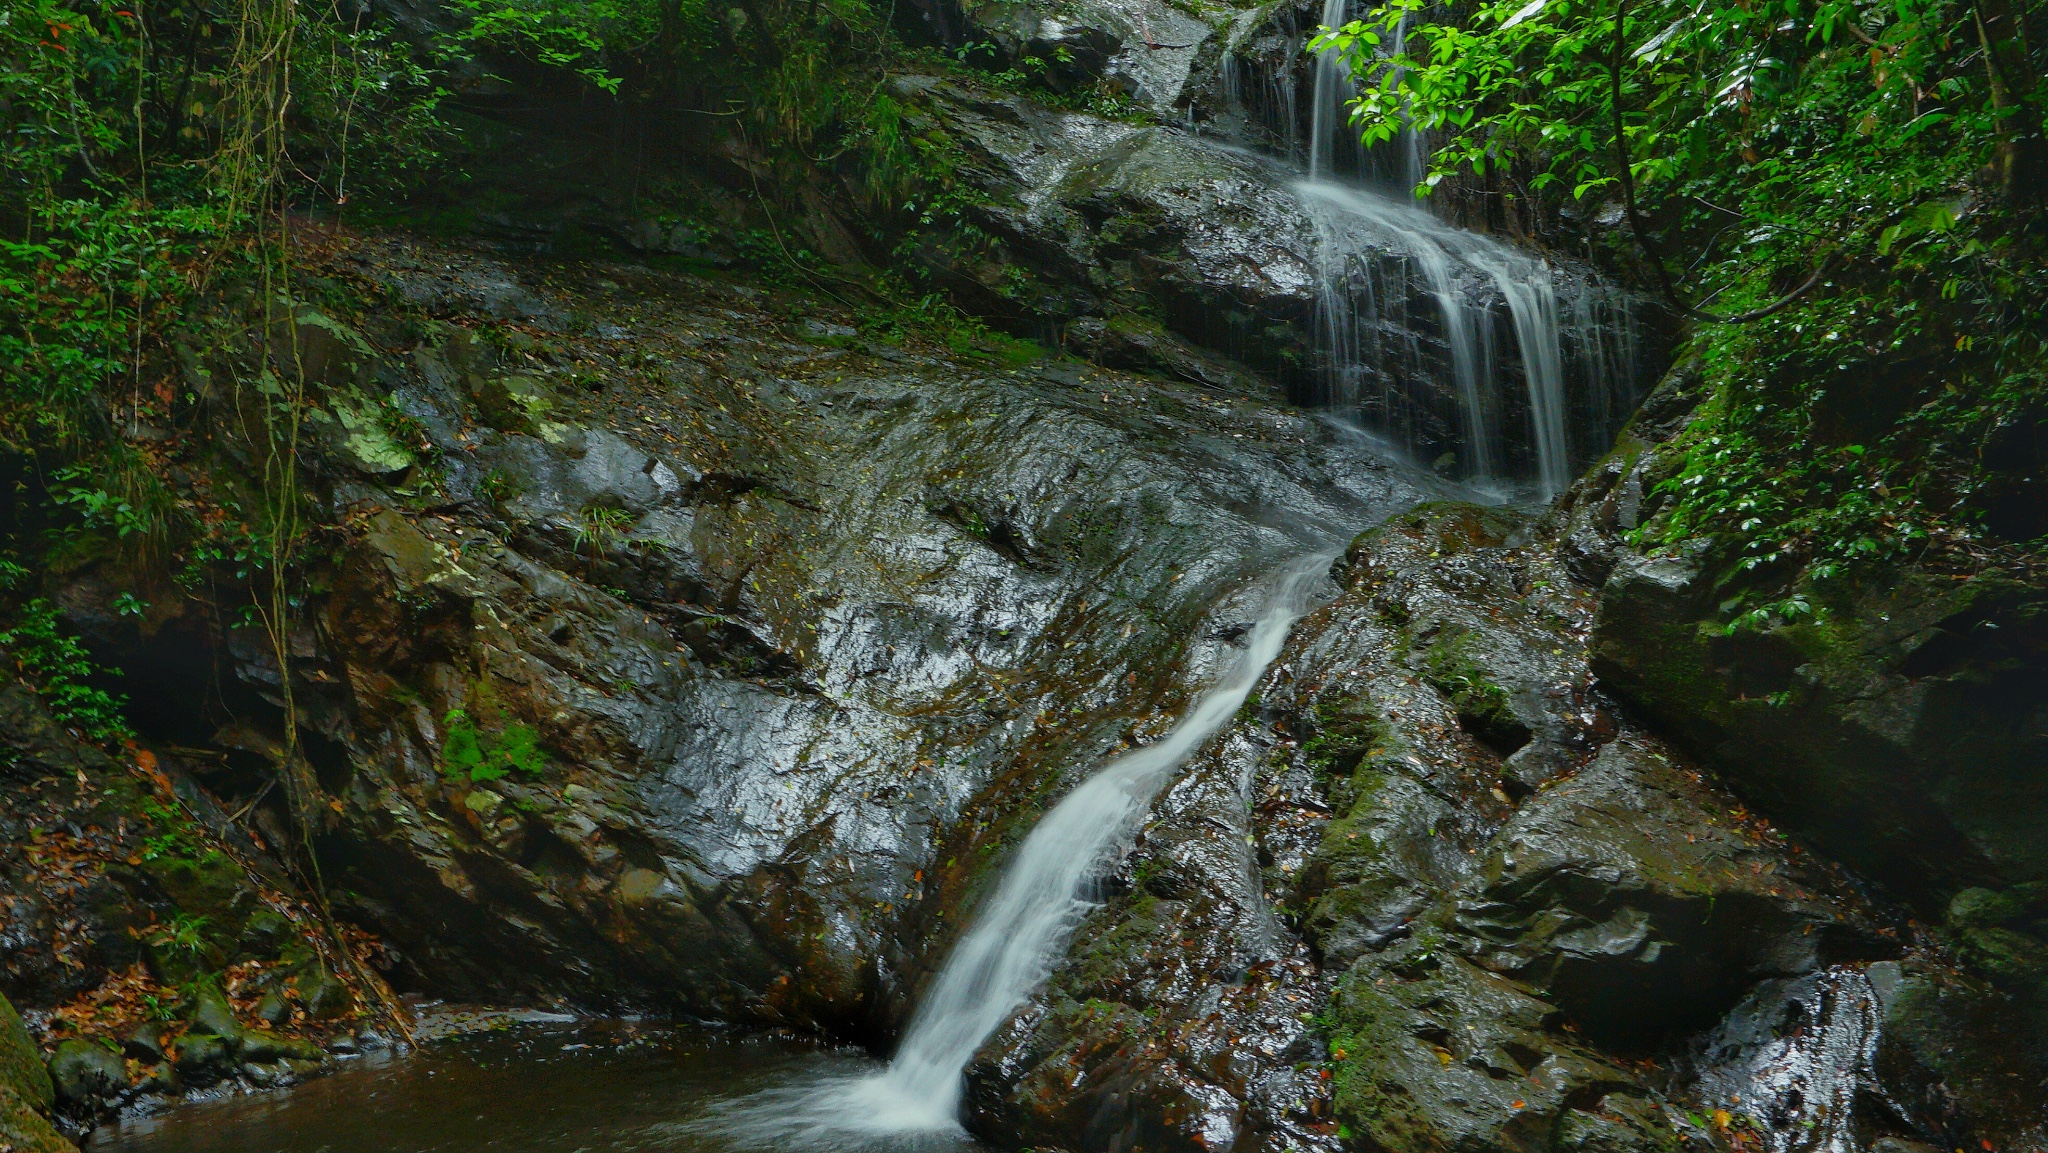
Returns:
point(211, 1014)
point(1445, 527)
point(24, 1130)
point(21, 1065)
point(1347, 732)
point(1431, 1052)
point(1898, 726)
point(1482, 706)
point(204, 1058)
point(265, 1047)
point(323, 994)
point(87, 1074)
point(212, 885)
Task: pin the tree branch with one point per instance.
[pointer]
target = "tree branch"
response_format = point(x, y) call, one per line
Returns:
point(1635, 218)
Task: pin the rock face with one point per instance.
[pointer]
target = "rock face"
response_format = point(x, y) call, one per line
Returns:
point(705, 658)
point(1900, 725)
point(1506, 895)
point(1906, 729)
point(720, 652)
point(121, 884)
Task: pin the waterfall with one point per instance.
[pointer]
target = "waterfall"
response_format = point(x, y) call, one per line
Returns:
point(1022, 931)
point(1532, 303)
point(1359, 229)
point(1334, 91)
point(1344, 283)
point(1371, 243)
point(1330, 114)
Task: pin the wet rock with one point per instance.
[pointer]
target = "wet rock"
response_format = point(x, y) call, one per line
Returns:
point(204, 1058)
point(1507, 930)
point(26, 1091)
point(1898, 730)
point(86, 1074)
point(211, 1014)
point(1431, 1052)
point(676, 651)
point(263, 1047)
point(1094, 208)
point(1628, 896)
point(273, 1008)
point(25, 1130)
point(161, 1080)
point(149, 1041)
point(324, 995)
point(1958, 1053)
point(266, 1076)
point(1143, 47)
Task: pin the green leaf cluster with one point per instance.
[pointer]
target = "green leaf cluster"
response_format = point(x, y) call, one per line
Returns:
point(62, 673)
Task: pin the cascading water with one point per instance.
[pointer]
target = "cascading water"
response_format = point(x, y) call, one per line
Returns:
point(1333, 91)
point(1332, 149)
point(1023, 929)
point(1463, 273)
point(1576, 356)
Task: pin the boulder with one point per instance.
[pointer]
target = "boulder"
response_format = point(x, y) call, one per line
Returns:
point(1643, 907)
point(25, 1130)
point(1432, 1052)
point(204, 1058)
point(87, 1074)
point(210, 1013)
point(273, 1008)
point(26, 1091)
point(1901, 725)
point(324, 995)
point(148, 1042)
point(262, 1046)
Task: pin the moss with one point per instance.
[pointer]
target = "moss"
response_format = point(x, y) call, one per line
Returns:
point(23, 1130)
point(1482, 705)
point(1449, 526)
point(1428, 1052)
point(1348, 732)
point(21, 1067)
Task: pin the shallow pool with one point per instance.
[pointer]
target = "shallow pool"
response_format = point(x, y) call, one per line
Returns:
point(564, 1088)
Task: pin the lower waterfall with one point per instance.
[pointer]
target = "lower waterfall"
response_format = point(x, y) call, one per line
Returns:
point(1022, 930)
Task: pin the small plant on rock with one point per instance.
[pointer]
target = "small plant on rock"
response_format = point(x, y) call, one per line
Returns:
point(599, 528)
point(468, 753)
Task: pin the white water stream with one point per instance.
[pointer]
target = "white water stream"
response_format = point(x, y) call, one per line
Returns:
point(1364, 212)
point(1462, 271)
point(1022, 930)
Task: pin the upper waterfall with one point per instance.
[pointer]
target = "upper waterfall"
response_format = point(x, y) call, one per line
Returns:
point(1502, 366)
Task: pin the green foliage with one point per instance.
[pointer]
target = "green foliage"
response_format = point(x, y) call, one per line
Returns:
point(1861, 426)
point(468, 753)
point(1766, 112)
point(599, 527)
point(177, 837)
point(184, 933)
point(61, 671)
point(570, 36)
point(497, 486)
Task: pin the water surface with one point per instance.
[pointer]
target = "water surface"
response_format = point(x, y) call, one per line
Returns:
point(591, 1087)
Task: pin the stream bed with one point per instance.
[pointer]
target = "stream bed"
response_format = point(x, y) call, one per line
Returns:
point(533, 1088)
